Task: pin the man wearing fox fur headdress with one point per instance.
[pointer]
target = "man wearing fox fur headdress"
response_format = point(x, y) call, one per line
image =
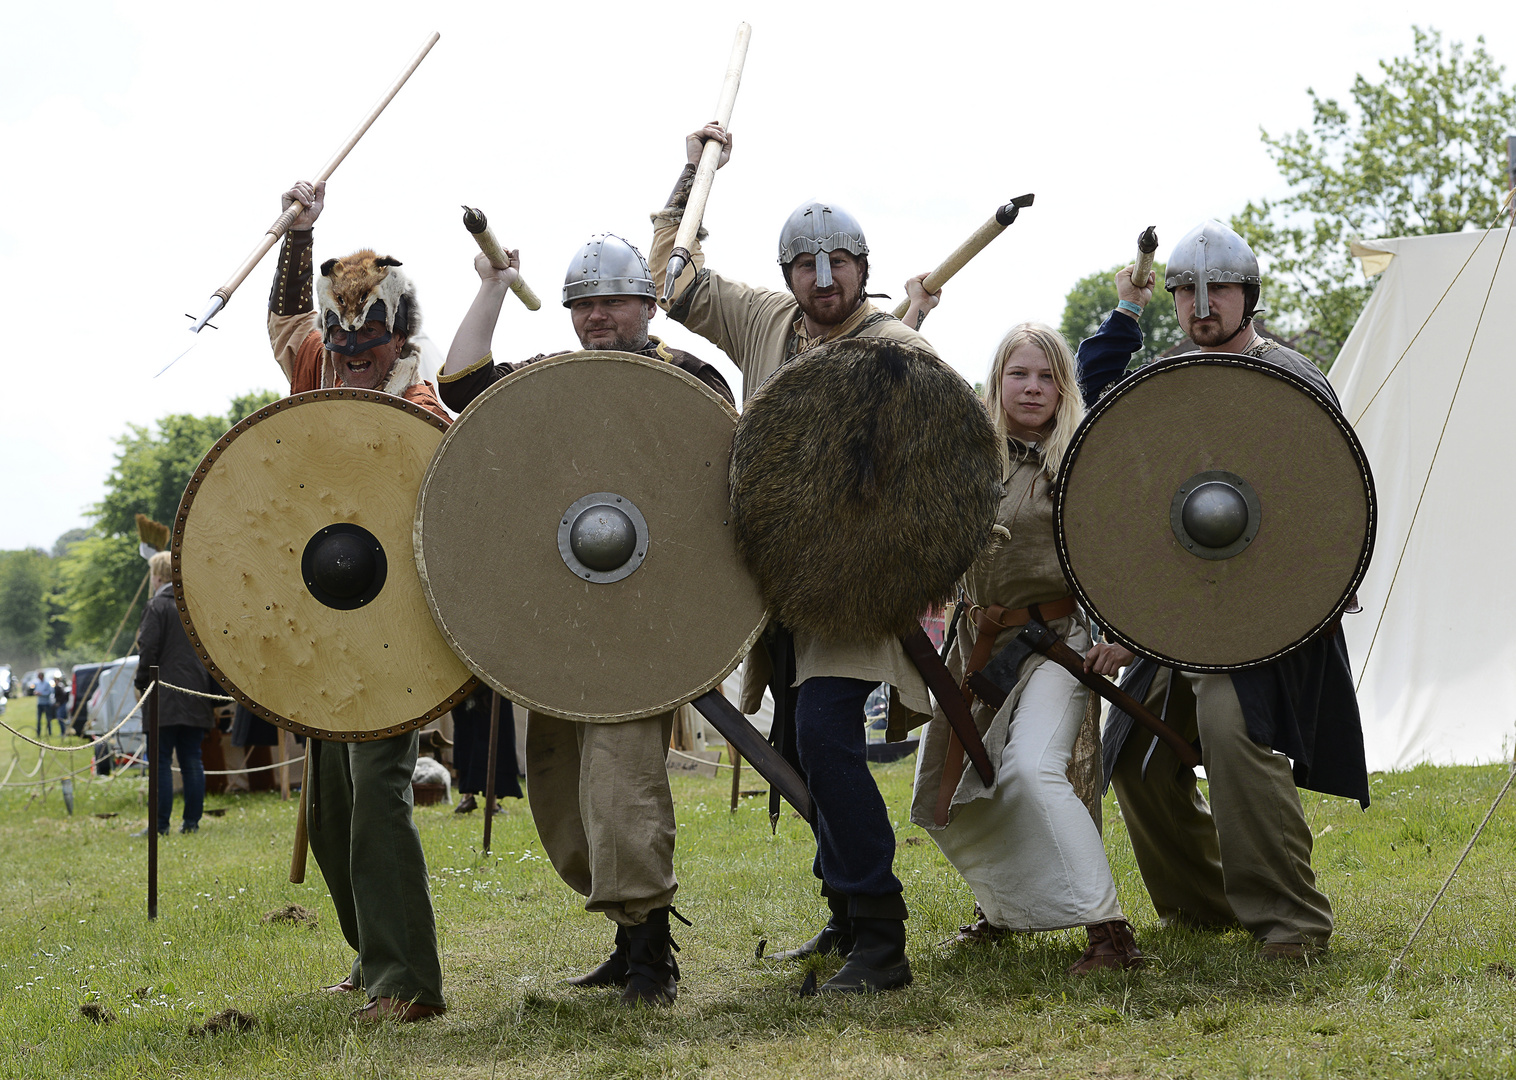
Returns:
point(361, 330)
point(824, 258)
point(358, 802)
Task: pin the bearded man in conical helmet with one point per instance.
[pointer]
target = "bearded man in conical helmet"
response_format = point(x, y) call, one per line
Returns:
point(825, 261)
point(1244, 855)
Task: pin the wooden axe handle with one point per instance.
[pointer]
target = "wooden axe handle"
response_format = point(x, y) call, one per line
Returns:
point(485, 238)
point(1147, 245)
point(977, 242)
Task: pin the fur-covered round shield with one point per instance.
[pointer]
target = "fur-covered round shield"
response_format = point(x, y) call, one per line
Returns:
point(1215, 512)
point(865, 478)
point(293, 567)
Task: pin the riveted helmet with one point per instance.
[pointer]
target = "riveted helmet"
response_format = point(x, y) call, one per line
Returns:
point(1210, 254)
point(820, 228)
point(607, 266)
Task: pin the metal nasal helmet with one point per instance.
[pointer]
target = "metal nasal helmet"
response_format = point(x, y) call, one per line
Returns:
point(1209, 254)
point(607, 266)
point(820, 228)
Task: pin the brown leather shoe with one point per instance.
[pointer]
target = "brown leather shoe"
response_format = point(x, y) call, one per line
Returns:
point(1112, 946)
point(979, 932)
point(1290, 950)
point(399, 1010)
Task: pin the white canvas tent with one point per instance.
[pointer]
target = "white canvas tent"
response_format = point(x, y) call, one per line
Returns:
point(1428, 379)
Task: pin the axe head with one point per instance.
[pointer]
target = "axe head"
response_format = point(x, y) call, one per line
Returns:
point(1007, 213)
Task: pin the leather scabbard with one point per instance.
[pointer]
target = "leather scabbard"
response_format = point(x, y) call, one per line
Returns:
point(939, 680)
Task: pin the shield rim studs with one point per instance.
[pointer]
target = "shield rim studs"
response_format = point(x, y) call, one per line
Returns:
point(566, 529)
point(1194, 546)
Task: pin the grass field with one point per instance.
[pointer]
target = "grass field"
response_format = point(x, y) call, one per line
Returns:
point(73, 930)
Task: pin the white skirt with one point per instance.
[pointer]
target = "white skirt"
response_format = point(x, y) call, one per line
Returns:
point(1031, 852)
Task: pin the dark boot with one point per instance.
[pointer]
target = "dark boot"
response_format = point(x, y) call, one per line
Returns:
point(610, 973)
point(652, 971)
point(877, 960)
point(835, 939)
point(1112, 945)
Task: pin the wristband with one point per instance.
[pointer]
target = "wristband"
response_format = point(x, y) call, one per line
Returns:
point(1135, 310)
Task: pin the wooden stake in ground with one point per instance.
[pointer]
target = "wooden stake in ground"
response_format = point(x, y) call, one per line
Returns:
point(965, 251)
point(153, 780)
point(736, 773)
point(710, 156)
point(222, 296)
point(302, 837)
point(284, 770)
point(489, 768)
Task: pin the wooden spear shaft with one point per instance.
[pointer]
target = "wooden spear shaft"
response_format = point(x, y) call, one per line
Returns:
point(965, 251)
point(710, 157)
point(223, 295)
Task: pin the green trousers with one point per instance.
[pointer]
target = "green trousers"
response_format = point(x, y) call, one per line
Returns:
point(1244, 857)
point(361, 832)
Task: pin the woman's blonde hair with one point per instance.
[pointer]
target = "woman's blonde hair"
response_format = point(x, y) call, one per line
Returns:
point(161, 566)
point(1070, 409)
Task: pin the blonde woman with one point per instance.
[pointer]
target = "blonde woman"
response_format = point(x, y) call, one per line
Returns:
point(1027, 845)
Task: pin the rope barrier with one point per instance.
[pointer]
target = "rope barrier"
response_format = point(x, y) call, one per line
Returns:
point(699, 760)
point(82, 746)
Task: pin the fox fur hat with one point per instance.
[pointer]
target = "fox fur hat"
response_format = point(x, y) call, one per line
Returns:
point(865, 478)
point(347, 292)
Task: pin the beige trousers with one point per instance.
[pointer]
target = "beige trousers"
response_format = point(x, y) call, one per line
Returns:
point(600, 799)
point(1244, 857)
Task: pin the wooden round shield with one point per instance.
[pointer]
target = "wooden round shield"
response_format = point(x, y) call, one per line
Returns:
point(1215, 512)
point(575, 543)
point(294, 573)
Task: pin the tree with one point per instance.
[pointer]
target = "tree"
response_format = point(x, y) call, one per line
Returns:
point(101, 573)
point(1092, 299)
point(1420, 151)
point(24, 581)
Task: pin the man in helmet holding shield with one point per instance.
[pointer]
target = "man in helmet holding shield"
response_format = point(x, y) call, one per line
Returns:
point(599, 792)
point(360, 333)
point(824, 258)
point(1244, 856)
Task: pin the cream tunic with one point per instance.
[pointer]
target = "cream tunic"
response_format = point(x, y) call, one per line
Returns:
point(753, 327)
point(1027, 845)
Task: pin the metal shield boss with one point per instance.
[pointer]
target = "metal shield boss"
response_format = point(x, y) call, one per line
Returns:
point(574, 538)
point(294, 573)
point(1215, 512)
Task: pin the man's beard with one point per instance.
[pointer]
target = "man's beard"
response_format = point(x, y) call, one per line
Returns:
point(1209, 335)
point(826, 318)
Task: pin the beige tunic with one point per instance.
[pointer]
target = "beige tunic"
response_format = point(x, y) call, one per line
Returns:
point(753, 327)
point(1015, 571)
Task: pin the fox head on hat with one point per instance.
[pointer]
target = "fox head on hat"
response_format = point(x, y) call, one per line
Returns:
point(367, 287)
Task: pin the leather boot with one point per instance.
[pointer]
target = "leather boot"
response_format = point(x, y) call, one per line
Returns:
point(835, 939)
point(612, 972)
point(652, 971)
point(877, 960)
point(1111, 946)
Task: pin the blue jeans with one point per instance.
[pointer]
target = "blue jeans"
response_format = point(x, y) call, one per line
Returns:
point(186, 739)
point(855, 842)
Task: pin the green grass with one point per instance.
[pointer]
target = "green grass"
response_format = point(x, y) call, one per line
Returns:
point(73, 929)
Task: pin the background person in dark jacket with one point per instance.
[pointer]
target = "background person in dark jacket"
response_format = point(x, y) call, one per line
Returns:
point(183, 720)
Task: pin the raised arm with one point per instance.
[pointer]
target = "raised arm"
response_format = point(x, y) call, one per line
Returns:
point(291, 307)
point(476, 332)
point(1104, 356)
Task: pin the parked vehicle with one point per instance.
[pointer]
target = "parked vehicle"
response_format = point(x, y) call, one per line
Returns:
point(113, 698)
point(6, 680)
point(27, 686)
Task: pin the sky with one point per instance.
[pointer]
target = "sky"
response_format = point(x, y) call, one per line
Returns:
point(146, 145)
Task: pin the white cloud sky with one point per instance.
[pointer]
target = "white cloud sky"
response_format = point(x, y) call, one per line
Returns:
point(146, 146)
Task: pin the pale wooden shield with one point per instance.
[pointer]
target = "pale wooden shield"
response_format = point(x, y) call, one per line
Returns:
point(1268, 433)
point(511, 474)
point(372, 668)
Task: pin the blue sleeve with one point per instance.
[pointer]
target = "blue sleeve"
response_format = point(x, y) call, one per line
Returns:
point(1103, 358)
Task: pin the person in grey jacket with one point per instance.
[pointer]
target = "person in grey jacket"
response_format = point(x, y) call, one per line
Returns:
point(183, 719)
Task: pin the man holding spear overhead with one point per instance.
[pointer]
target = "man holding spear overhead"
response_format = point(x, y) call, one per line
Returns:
point(608, 832)
point(360, 333)
point(824, 257)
